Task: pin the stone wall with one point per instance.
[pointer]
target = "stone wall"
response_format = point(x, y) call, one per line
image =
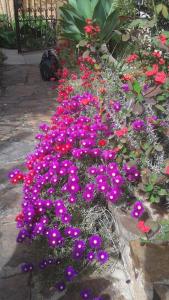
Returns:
point(147, 265)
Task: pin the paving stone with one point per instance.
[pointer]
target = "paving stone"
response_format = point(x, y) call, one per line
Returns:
point(24, 103)
point(15, 288)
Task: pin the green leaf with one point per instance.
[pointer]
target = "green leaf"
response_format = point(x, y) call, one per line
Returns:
point(110, 6)
point(165, 11)
point(160, 107)
point(153, 178)
point(159, 8)
point(99, 14)
point(154, 199)
point(137, 87)
point(149, 188)
point(162, 192)
point(85, 8)
point(110, 25)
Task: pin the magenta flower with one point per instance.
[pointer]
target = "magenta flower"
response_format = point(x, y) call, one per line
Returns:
point(138, 125)
point(90, 256)
point(70, 273)
point(138, 210)
point(60, 286)
point(125, 87)
point(95, 241)
point(114, 194)
point(102, 256)
point(80, 245)
point(86, 294)
point(116, 106)
point(66, 218)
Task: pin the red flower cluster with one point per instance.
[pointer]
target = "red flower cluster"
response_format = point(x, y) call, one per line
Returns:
point(153, 71)
point(90, 28)
point(121, 132)
point(163, 39)
point(160, 77)
point(142, 227)
point(131, 58)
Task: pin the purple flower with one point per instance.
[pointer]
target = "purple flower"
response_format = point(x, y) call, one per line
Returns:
point(59, 211)
point(66, 218)
point(90, 256)
point(72, 232)
point(72, 199)
point(27, 267)
point(102, 256)
point(73, 187)
point(92, 170)
point(61, 286)
point(77, 254)
point(43, 264)
point(117, 106)
point(138, 210)
point(108, 155)
point(114, 194)
point(101, 169)
point(103, 187)
point(80, 245)
point(70, 273)
point(138, 125)
point(86, 294)
point(95, 241)
point(118, 180)
point(88, 196)
point(125, 87)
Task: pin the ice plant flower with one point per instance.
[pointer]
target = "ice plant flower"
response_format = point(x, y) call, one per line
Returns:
point(86, 294)
point(95, 241)
point(102, 256)
point(138, 210)
point(138, 125)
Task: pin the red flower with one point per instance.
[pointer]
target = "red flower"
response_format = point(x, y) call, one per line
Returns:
point(153, 71)
point(121, 132)
point(85, 101)
point(162, 39)
point(132, 58)
point(167, 170)
point(127, 77)
point(88, 28)
point(157, 53)
point(160, 77)
point(102, 143)
point(142, 227)
point(161, 61)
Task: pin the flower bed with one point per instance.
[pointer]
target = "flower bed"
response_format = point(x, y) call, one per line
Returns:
point(106, 145)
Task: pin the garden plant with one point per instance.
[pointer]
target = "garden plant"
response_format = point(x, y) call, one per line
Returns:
point(106, 145)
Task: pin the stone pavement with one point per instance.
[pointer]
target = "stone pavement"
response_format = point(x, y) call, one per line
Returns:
point(25, 101)
point(28, 58)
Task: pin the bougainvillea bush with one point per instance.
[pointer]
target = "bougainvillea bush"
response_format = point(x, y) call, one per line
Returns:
point(106, 145)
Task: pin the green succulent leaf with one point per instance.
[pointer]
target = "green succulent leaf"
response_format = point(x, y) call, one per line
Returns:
point(149, 188)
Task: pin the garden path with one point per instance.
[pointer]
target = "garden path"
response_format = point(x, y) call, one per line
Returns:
point(25, 101)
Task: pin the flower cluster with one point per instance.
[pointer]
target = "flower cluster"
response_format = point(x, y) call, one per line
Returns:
point(90, 28)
